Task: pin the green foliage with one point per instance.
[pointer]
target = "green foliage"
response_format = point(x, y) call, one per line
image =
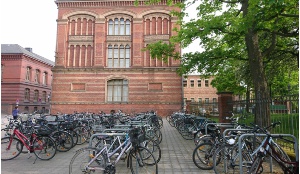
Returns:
point(221, 27)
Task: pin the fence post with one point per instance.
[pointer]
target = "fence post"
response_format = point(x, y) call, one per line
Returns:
point(188, 106)
point(225, 106)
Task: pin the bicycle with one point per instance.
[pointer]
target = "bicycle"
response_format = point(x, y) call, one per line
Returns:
point(231, 158)
point(91, 159)
point(42, 146)
point(270, 148)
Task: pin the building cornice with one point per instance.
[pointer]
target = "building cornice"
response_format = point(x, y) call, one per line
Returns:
point(110, 3)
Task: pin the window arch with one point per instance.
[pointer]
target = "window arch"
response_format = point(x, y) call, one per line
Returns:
point(27, 95)
point(37, 76)
point(117, 90)
point(45, 78)
point(118, 56)
point(118, 26)
point(36, 95)
point(28, 73)
point(44, 97)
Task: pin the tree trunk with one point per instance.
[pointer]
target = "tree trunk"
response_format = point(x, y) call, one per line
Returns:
point(262, 106)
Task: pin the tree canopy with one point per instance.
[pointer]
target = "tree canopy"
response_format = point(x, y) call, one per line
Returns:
point(257, 39)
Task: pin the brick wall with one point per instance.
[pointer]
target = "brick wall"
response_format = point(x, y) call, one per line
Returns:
point(83, 66)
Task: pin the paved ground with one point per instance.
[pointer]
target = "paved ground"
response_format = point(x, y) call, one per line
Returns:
point(176, 158)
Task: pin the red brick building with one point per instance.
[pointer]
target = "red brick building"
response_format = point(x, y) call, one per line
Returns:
point(25, 79)
point(199, 90)
point(100, 65)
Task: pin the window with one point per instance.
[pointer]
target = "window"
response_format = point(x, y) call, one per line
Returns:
point(192, 100)
point(118, 56)
point(119, 26)
point(27, 94)
point(26, 109)
point(37, 76)
point(36, 96)
point(199, 83)
point(200, 100)
point(45, 78)
point(214, 100)
point(192, 83)
point(44, 97)
point(184, 83)
point(206, 100)
point(117, 90)
point(206, 83)
point(28, 73)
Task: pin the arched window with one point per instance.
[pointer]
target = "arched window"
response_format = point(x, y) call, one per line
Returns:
point(127, 56)
point(127, 27)
point(119, 26)
point(44, 97)
point(45, 78)
point(37, 76)
point(110, 27)
point(28, 73)
point(122, 26)
point(27, 95)
point(36, 96)
point(117, 90)
point(116, 26)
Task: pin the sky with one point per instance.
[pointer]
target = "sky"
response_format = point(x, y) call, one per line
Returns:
point(32, 23)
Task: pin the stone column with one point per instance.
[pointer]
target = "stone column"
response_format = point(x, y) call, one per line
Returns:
point(225, 106)
point(188, 106)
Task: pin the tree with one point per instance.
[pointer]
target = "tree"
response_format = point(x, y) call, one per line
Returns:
point(259, 34)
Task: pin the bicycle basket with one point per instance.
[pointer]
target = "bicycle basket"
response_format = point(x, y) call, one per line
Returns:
point(137, 136)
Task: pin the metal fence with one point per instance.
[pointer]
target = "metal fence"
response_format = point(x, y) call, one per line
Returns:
point(283, 108)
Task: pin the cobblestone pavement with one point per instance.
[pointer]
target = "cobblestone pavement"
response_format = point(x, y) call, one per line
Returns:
point(176, 158)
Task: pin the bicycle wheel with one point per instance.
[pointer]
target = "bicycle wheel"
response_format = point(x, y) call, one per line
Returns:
point(153, 147)
point(74, 136)
point(64, 141)
point(203, 156)
point(256, 166)
point(141, 160)
point(79, 162)
point(83, 135)
point(154, 134)
point(10, 148)
point(44, 148)
point(226, 160)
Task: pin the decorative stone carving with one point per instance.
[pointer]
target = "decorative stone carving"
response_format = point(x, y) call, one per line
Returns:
point(81, 38)
point(118, 38)
point(149, 38)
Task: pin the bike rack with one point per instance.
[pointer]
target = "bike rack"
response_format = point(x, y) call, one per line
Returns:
point(105, 134)
point(264, 135)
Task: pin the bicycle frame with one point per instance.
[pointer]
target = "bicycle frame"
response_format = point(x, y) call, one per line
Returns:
point(22, 138)
point(125, 145)
point(266, 147)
